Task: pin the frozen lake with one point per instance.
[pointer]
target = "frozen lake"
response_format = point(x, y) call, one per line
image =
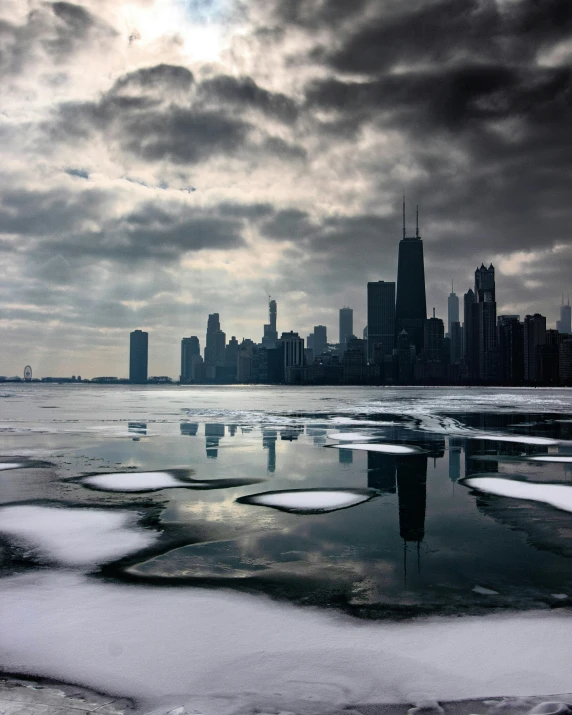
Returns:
point(239, 548)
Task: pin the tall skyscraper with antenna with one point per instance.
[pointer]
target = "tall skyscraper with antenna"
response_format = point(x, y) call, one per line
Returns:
point(452, 309)
point(411, 306)
point(564, 325)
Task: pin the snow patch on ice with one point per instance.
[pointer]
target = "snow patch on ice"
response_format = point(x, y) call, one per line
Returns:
point(485, 591)
point(556, 495)
point(207, 650)
point(384, 448)
point(75, 537)
point(155, 481)
point(350, 436)
point(564, 458)
point(11, 465)
point(309, 500)
point(517, 438)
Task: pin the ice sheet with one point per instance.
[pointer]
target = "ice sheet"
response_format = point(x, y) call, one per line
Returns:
point(309, 500)
point(557, 495)
point(384, 448)
point(196, 647)
point(75, 537)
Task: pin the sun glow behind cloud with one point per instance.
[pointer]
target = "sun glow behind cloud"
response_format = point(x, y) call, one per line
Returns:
point(199, 33)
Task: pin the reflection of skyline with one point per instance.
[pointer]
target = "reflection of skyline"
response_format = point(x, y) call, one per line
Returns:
point(138, 428)
point(269, 437)
point(412, 496)
point(213, 433)
point(345, 456)
point(381, 472)
point(189, 428)
point(455, 447)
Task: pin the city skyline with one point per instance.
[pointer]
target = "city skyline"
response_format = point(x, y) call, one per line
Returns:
point(162, 160)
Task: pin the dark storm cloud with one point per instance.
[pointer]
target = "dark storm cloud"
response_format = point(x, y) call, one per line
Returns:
point(161, 77)
point(452, 98)
point(244, 92)
point(445, 31)
point(35, 213)
point(152, 114)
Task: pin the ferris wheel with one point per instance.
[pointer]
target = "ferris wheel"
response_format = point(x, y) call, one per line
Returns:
point(28, 373)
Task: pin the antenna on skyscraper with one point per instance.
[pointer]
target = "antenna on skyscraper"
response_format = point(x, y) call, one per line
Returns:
point(403, 215)
point(417, 222)
point(452, 291)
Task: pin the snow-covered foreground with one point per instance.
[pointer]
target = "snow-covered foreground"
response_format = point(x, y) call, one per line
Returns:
point(75, 537)
point(202, 648)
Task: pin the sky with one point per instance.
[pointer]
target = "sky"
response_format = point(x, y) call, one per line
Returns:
point(166, 159)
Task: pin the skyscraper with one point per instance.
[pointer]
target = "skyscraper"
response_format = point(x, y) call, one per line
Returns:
point(411, 307)
point(485, 324)
point(380, 317)
point(213, 326)
point(138, 357)
point(534, 336)
point(320, 339)
point(511, 349)
point(452, 309)
point(190, 347)
point(564, 325)
point(346, 324)
point(270, 332)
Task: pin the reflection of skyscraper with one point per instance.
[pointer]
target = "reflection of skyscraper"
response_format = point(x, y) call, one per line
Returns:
point(138, 357)
point(269, 437)
point(189, 428)
point(411, 307)
point(213, 433)
point(380, 317)
point(139, 428)
point(454, 459)
point(412, 495)
point(381, 472)
point(345, 456)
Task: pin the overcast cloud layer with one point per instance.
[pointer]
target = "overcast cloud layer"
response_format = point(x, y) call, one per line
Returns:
point(164, 159)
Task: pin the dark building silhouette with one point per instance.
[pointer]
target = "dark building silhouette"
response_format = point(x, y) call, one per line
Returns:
point(534, 336)
point(270, 333)
point(485, 315)
point(564, 325)
point(511, 349)
point(452, 309)
point(412, 496)
point(320, 339)
point(469, 337)
point(138, 357)
point(410, 307)
point(565, 363)
point(456, 338)
point(380, 317)
point(405, 358)
point(346, 325)
point(190, 350)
